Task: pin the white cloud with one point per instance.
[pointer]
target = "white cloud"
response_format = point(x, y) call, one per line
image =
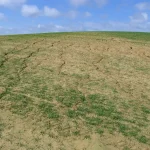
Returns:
point(40, 26)
point(76, 26)
point(88, 14)
point(72, 14)
point(143, 6)
point(93, 26)
point(30, 11)
point(2, 16)
point(139, 17)
point(34, 11)
point(47, 28)
point(101, 2)
point(11, 3)
point(78, 2)
point(116, 26)
point(51, 12)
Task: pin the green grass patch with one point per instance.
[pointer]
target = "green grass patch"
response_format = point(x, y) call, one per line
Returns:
point(103, 111)
point(126, 148)
point(71, 97)
point(128, 35)
point(94, 121)
point(100, 131)
point(37, 87)
point(143, 139)
point(20, 104)
point(49, 110)
point(145, 110)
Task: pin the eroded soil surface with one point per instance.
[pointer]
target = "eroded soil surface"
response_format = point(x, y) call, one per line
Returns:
point(74, 92)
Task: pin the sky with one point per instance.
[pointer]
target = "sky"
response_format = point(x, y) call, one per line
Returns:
point(36, 16)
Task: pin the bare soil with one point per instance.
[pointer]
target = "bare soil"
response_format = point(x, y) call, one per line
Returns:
point(74, 92)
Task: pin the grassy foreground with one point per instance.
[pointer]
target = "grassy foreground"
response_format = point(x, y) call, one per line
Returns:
point(83, 91)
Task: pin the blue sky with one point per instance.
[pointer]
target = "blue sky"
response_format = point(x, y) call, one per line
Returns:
point(35, 16)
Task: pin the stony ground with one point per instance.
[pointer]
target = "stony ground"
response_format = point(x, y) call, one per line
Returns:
point(74, 91)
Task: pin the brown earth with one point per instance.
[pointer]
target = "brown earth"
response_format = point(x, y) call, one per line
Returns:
point(38, 71)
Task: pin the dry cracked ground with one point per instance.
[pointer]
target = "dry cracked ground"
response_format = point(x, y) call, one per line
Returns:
point(74, 91)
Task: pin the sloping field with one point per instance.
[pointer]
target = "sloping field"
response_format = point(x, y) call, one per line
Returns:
point(75, 91)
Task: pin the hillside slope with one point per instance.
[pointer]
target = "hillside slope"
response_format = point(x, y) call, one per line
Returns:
point(75, 91)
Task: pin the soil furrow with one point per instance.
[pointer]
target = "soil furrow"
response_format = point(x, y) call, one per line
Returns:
point(4, 60)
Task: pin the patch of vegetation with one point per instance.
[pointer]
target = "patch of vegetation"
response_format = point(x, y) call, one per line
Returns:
point(143, 139)
point(145, 110)
point(100, 131)
point(1, 128)
point(100, 113)
point(72, 114)
point(38, 88)
point(94, 121)
point(22, 107)
point(20, 104)
point(143, 69)
point(76, 133)
point(49, 110)
point(128, 35)
point(71, 97)
point(81, 76)
point(128, 130)
point(102, 106)
point(126, 148)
